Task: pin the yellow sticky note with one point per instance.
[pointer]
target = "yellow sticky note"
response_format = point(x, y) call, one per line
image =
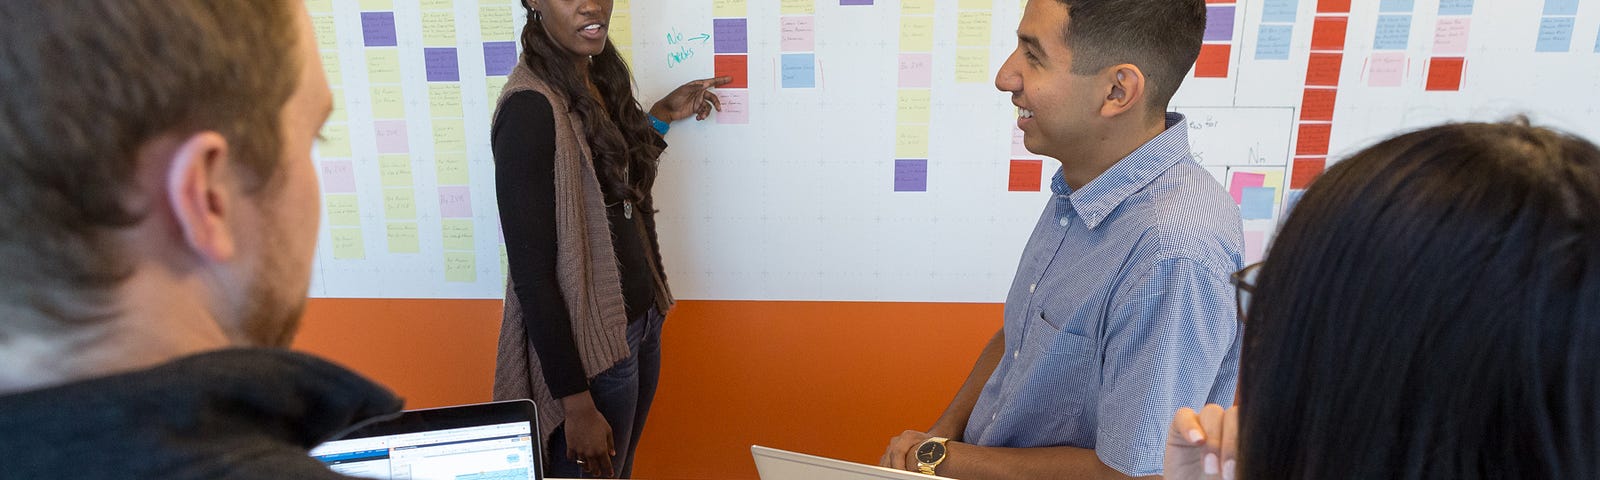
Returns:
point(439, 29)
point(449, 136)
point(972, 65)
point(496, 24)
point(621, 28)
point(916, 7)
point(972, 29)
point(376, 5)
point(383, 65)
point(347, 244)
point(916, 34)
point(338, 113)
point(399, 203)
point(344, 210)
point(458, 234)
point(911, 141)
point(1274, 180)
point(460, 267)
point(620, 5)
point(335, 142)
point(388, 102)
point(444, 99)
point(395, 170)
point(984, 5)
point(330, 66)
point(327, 29)
point(494, 85)
point(319, 6)
point(505, 260)
point(791, 7)
point(403, 237)
point(452, 168)
point(438, 5)
point(914, 106)
point(727, 8)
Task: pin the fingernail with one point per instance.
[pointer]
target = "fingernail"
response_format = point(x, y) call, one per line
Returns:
point(1196, 437)
point(1227, 470)
point(1211, 464)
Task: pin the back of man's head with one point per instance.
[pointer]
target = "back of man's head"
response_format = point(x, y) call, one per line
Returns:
point(90, 85)
point(1161, 37)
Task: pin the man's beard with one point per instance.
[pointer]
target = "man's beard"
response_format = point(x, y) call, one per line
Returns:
point(271, 316)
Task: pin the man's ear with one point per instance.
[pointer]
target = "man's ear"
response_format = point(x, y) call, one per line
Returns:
point(199, 193)
point(1127, 90)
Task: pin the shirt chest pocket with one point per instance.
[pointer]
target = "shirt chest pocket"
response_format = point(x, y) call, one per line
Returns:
point(1060, 368)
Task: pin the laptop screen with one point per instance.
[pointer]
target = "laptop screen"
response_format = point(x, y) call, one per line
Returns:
point(472, 442)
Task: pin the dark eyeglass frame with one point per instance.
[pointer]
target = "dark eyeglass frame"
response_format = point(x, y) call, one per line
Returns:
point(1243, 286)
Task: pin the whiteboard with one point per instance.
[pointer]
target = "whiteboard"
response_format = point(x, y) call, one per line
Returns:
point(868, 156)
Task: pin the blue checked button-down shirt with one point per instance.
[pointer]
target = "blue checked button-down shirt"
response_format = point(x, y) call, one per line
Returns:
point(1120, 313)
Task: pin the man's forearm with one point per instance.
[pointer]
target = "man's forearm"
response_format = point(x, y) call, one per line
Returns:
point(954, 420)
point(971, 462)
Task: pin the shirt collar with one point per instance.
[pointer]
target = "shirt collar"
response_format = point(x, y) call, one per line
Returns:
point(1095, 201)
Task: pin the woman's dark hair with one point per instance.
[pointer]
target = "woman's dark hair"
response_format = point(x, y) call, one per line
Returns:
point(621, 140)
point(1431, 309)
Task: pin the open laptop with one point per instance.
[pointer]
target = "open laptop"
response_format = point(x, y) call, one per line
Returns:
point(774, 464)
point(486, 441)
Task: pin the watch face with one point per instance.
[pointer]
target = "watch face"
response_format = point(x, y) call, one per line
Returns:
point(930, 452)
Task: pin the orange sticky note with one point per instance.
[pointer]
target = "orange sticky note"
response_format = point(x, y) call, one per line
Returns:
point(1333, 6)
point(1444, 74)
point(1327, 33)
point(1323, 69)
point(1313, 139)
point(1025, 175)
point(1213, 61)
point(1317, 104)
point(736, 66)
point(1305, 171)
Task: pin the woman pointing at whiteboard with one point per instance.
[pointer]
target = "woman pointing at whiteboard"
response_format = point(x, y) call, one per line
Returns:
point(575, 158)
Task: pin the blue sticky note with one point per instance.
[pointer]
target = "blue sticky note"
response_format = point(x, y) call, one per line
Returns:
point(1292, 201)
point(1280, 11)
point(1273, 42)
point(1455, 7)
point(499, 58)
point(1555, 34)
point(910, 175)
point(441, 64)
point(1560, 7)
point(799, 70)
point(1256, 203)
point(377, 29)
point(1394, 32)
point(1397, 6)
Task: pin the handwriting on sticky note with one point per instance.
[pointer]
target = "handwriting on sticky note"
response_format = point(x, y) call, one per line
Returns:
point(916, 70)
point(457, 234)
point(972, 65)
point(439, 29)
point(460, 267)
point(914, 106)
point(916, 7)
point(1322, 69)
point(444, 100)
point(377, 29)
point(1313, 139)
point(1279, 11)
point(1555, 34)
point(731, 35)
point(1387, 69)
point(1025, 176)
point(1444, 74)
point(735, 107)
point(441, 64)
point(344, 210)
point(452, 169)
point(916, 34)
point(335, 141)
point(391, 136)
point(394, 170)
point(347, 244)
point(910, 175)
point(911, 141)
point(455, 201)
point(383, 65)
point(1317, 104)
point(449, 135)
point(728, 8)
point(973, 28)
point(1273, 42)
point(1328, 33)
point(798, 70)
point(798, 34)
point(399, 204)
point(736, 67)
point(403, 237)
point(1450, 36)
point(496, 24)
point(1393, 33)
point(338, 176)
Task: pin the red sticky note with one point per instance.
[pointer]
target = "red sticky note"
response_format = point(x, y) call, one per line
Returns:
point(1333, 6)
point(1313, 139)
point(1323, 69)
point(1444, 74)
point(1327, 33)
point(1317, 104)
point(1025, 175)
point(736, 66)
point(1306, 170)
point(1213, 61)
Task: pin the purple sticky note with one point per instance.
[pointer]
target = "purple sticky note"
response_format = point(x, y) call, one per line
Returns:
point(442, 64)
point(377, 29)
point(855, 2)
point(916, 70)
point(499, 57)
point(1243, 180)
point(391, 136)
point(910, 175)
point(1219, 23)
point(731, 34)
point(455, 201)
point(338, 176)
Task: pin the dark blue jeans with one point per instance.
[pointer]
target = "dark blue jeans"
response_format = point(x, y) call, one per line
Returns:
point(622, 394)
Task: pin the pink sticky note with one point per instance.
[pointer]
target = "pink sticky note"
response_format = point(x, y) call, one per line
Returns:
point(1386, 69)
point(338, 176)
point(1255, 245)
point(391, 136)
point(455, 201)
point(1243, 180)
point(1018, 147)
point(799, 34)
point(735, 107)
point(1450, 38)
point(916, 70)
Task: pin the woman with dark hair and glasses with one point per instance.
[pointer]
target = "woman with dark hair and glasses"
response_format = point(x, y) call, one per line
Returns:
point(1431, 309)
point(575, 158)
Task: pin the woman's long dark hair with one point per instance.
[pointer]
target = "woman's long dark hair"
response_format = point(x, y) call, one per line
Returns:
point(621, 139)
point(1431, 309)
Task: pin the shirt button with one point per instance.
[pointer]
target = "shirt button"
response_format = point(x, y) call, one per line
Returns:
point(1032, 287)
point(1064, 221)
point(1014, 353)
point(993, 416)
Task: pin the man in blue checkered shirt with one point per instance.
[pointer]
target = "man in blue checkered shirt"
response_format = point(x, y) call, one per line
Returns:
point(1121, 311)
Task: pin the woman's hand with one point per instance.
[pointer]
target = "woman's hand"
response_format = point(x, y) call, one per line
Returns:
point(589, 440)
point(1202, 446)
point(693, 98)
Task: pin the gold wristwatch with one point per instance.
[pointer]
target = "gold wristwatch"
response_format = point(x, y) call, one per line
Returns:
point(930, 454)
